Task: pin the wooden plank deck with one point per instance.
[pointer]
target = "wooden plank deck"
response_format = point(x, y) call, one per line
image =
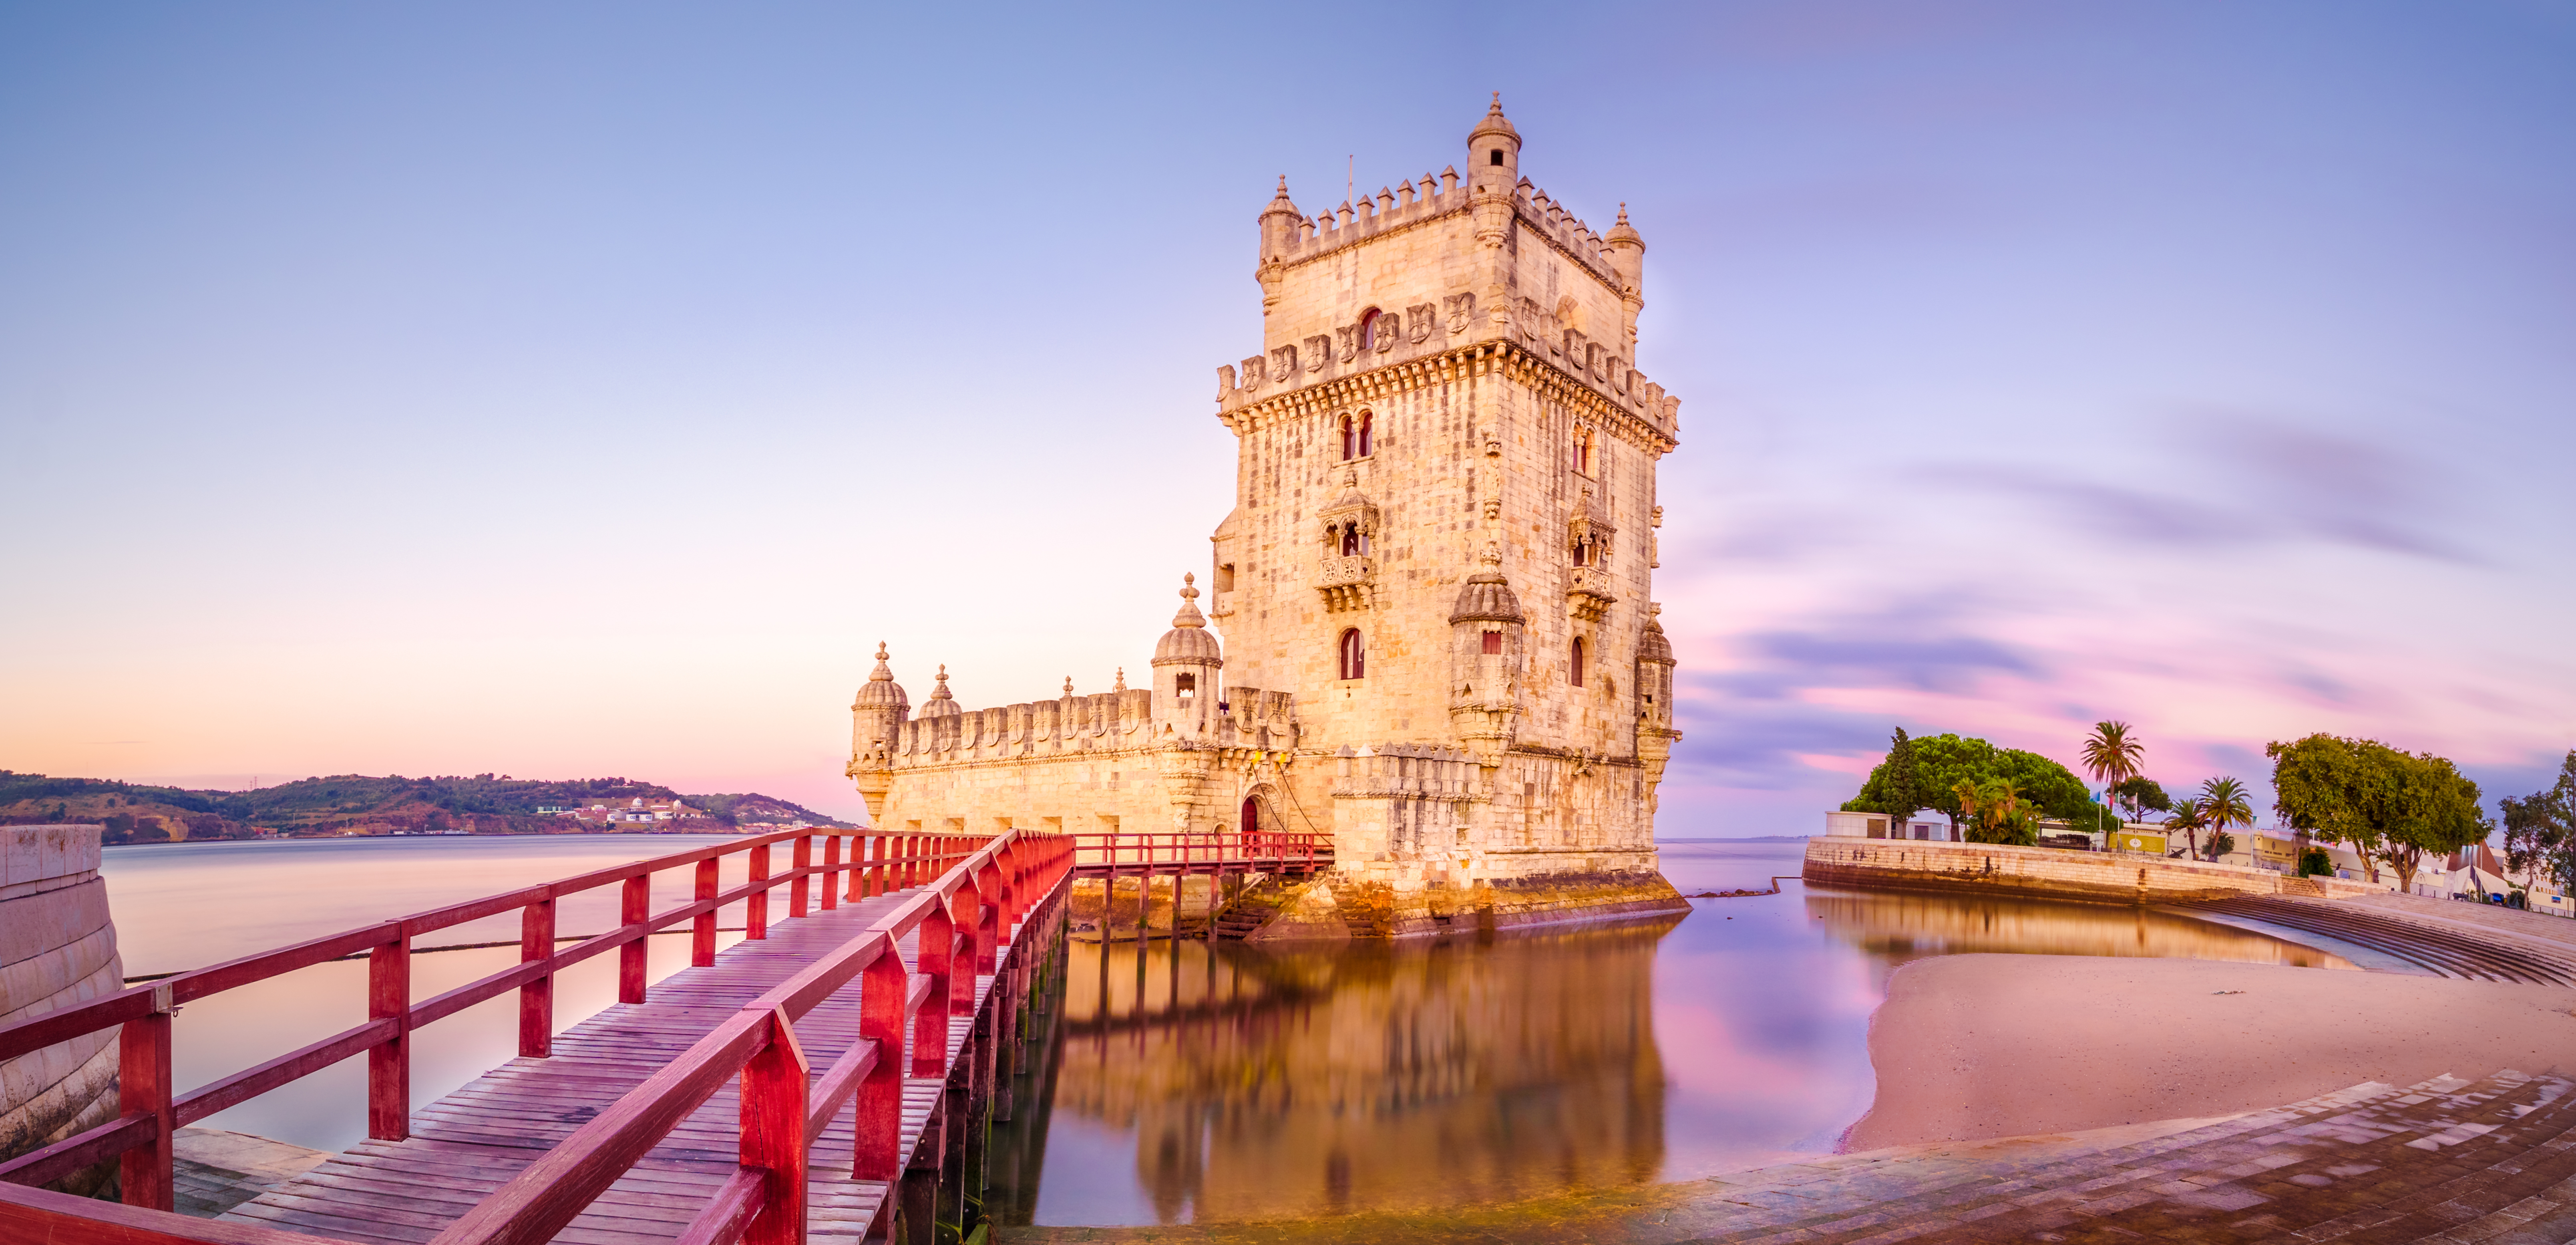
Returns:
point(467, 1144)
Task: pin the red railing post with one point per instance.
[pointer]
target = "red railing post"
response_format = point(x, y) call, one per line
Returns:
point(877, 1134)
point(799, 892)
point(831, 872)
point(935, 942)
point(389, 1061)
point(773, 1134)
point(143, 1088)
point(988, 918)
point(537, 998)
point(755, 906)
point(966, 916)
point(702, 931)
point(634, 907)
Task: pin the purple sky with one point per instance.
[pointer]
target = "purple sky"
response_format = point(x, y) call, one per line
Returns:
point(585, 390)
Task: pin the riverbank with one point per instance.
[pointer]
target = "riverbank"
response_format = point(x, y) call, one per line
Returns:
point(2051, 873)
point(1969, 1047)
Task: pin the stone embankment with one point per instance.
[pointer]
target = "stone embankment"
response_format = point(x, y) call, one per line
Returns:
point(57, 947)
point(2050, 873)
point(1336, 907)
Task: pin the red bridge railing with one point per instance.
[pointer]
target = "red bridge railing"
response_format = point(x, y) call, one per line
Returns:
point(1166, 851)
point(975, 890)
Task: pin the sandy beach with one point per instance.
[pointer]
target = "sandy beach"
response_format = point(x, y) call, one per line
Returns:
point(1978, 1046)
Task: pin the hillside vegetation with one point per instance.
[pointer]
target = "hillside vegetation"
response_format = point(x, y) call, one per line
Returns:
point(360, 804)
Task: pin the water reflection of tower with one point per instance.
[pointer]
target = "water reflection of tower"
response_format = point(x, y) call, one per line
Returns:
point(1263, 1084)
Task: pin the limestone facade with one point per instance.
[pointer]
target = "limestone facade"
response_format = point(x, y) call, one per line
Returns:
point(1434, 589)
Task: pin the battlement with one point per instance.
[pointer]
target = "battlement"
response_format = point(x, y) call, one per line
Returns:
point(1407, 771)
point(1111, 721)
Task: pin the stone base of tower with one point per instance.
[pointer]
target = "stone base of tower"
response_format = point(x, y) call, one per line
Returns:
point(1380, 903)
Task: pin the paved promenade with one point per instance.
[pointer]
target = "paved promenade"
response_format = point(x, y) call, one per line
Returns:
point(2447, 1160)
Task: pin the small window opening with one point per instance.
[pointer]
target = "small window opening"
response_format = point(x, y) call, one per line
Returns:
point(1350, 438)
point(1583, 553)
point(1496, 159)
point(1583, 451)
point(1185, 686)
point(1574, 670)
point(1225, 576)
point(1354, 655)
point(1353, 543)
point(1368, 329)
point(1493, 643)
point(1365, 445)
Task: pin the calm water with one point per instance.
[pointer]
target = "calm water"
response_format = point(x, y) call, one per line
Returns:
point(1225, 1082)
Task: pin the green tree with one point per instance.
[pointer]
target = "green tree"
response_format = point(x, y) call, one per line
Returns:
point(2224, 802)
point(1997, 813)
point(2540, 829)
point(2141, 795)
point(1944, 761)
point(2187, 818)
point(2111, 757)
point(2392, 807)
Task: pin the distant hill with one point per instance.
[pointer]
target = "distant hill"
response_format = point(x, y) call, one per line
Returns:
point(359, 804)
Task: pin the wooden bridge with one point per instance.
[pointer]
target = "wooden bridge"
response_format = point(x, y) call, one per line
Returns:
point(906, 973)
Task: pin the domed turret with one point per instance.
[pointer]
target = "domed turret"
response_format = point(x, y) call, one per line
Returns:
point(940, 704)
point(1494, 150)
point(1486, 596)
point(876, 723)
point(1486, 646)
point(1186, 662)
point(1189, 640)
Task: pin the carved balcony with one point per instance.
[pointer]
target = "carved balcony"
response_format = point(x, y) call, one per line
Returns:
point(1347, 583)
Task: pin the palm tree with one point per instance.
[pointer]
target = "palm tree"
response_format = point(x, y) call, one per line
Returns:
point(2188, 819)
point(2112, 758)
point(2223, 802)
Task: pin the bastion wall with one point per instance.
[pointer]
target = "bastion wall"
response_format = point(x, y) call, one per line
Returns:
point(57, 948)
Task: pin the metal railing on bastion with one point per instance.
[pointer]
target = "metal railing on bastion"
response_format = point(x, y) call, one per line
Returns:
point(974, 891)
point(1124, 852)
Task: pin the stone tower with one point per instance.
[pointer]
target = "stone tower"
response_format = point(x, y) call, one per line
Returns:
point(1434, 591)
point(1443, 529)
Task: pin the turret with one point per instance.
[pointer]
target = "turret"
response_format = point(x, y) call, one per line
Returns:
point(1487, 641)
point(1279, 223)
point(876, 723)
point(1655, 733)
point(1187, 662)
point(1627, 251)
point(1494, 152)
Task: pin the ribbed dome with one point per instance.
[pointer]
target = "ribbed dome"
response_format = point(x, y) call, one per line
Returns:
point(1652, 646)
point(1487, 596)
point(1623, 231)
point(1188, 642)
point(940, 704)
point(881, 691)
point(1494, 123)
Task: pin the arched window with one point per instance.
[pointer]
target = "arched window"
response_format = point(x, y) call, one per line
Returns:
point(1583, 553)
point(1368, 329)
point(1350, 438)
point(1353, 542)
point(1493, 643)
point(1583, 450)
point(1574, 669)
point(1365, 445)
point(1354, 655)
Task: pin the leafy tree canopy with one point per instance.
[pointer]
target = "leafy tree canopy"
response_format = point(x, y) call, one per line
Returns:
point(2143, 793)
point(2392, 806)
point(1942, 762)
point(2540, 829)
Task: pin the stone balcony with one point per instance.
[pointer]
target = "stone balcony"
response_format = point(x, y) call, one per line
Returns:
point(1347, 583)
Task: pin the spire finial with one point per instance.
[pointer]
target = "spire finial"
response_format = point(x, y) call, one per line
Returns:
point(882, 674)
point(1189, 615)
point(1121, 684)
point(1068, 685)
point(1189, 586)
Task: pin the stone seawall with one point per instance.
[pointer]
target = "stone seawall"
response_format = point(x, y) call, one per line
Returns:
point(2050, 873)
point(57, 948)
point(1339, 906)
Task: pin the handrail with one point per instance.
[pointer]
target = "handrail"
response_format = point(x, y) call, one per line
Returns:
point(1147, 849)
point(149, 1111)
point(961, 918)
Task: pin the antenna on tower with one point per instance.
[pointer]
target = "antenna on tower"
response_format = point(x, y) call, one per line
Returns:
point(1350, 170)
